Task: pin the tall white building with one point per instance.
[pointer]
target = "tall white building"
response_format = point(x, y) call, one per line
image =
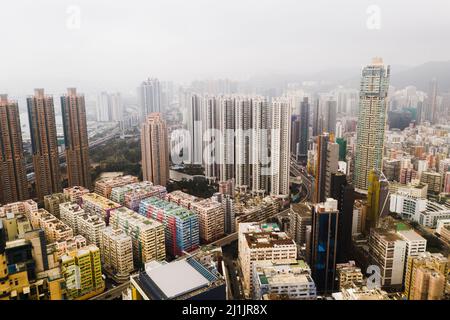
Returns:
point(371, 122)
point(195, 126)
point(243, 124)
point(227, 143)
point(103, 107)
point(211, 146)
point(387, 250)
point(280, 147)
point(262, 243)
point(150, 97)
point(260, 146)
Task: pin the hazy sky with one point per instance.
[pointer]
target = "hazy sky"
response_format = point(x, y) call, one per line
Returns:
point(120, 42)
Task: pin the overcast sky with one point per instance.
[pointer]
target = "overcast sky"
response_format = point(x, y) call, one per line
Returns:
point(120, 42)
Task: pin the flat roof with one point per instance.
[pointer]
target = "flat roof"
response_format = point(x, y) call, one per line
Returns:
point(177, 278)
point(411, 235)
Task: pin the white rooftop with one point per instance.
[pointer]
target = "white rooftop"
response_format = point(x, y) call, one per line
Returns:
point(176, 278)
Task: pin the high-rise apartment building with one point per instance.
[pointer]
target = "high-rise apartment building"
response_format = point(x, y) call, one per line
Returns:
point(147, 235)
point(13, 180)
point(52, 202)
point(76, 139)
point(211, 219)
point(116, 251)
point(227, 141)
point(75, 193)
point(371, 122)
point(150, 97)
point(104, 187)
point(260, 146)
point(82, 271)
point(211, 149)
point(155, 149)
point(243, 143)
point(41, 114)
point(425, 276)
point(280, 153)
point(195, 126)
point(181, 226)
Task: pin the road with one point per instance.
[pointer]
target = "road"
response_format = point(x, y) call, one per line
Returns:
point(114, 293)
point(299, 172)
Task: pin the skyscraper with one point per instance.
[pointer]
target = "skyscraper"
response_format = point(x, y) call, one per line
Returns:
point(76, 138)
point(344, 194)
point(103, 110)
point(432, 114)
point(150, 97)
point(227, 144)
point(327, 156)
point(211, 147)
point(155, 149)
point(13, 178)
point(304, 130)
point(195, 128)
point(41, 113)
point(371, 122)
point(295, 134)
point(243, 112)
point(377, 200)
point(260, 146)
point(280, 153)
point(330, 116)
point(324, 239)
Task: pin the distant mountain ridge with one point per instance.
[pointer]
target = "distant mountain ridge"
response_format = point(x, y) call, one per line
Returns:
point(420, 76)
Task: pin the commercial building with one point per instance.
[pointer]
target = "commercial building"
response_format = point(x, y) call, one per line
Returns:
point(76, 139)
point(361, 293)
point(185, 279)
point(324, 239)
point(387, 250)
point(12, 158)
point(348, 275)
point(434, 181)
point(300, 217)
point(41, 114)
point(262, 243)
point(290, 278)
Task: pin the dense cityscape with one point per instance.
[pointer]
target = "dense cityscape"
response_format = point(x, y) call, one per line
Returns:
point(221, 189)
